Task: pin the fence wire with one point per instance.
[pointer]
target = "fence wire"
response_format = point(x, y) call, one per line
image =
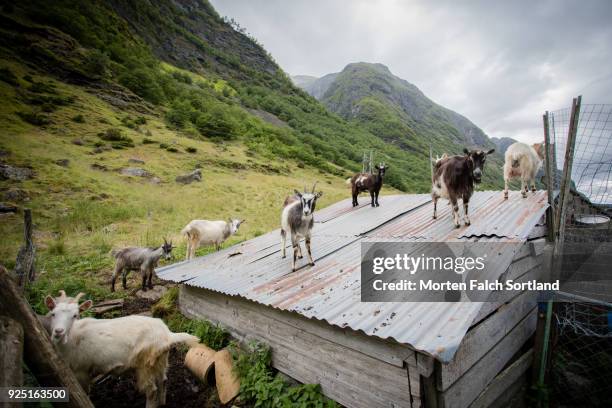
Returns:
point(581, 359)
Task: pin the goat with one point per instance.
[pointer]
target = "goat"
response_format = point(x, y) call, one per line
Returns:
point(139, 259)
point(523, 161)
point(297, 219)
point(361, 182)
point(454, 178)
point(204, 232)
point(97, 347)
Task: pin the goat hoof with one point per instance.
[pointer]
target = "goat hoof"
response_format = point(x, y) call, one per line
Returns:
point(311, 264)
point(457, 225)
point(300, 257)
point(435, 217)
point(467, 223)
point(293, 270)
point(284, 256)
point(524, 195)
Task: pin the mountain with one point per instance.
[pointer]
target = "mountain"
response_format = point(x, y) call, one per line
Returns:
point(313, 85)
point(503, 143)
point(399, 113)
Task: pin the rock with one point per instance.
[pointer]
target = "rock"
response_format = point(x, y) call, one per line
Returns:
point(98, 166)
point(4, 153)
point(7, 208)
point(136, 172)
point(152, 294)
point(62, 162)
point(155, 180)
point(195, 175)
point(135, 160)
point(15, 195)
point(78, 142)
point(15, 173)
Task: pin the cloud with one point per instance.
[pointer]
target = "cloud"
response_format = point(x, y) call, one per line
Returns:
point(501, 64)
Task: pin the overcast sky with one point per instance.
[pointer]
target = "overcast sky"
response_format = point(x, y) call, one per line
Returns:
point(501, 64)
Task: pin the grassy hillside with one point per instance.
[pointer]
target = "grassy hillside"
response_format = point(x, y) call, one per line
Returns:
point(86, 208)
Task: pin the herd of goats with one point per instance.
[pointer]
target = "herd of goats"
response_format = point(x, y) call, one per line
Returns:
point(100, 347)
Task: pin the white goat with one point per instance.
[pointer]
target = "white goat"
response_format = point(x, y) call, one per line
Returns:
point(95, 347)
point(523, 161)
point(204, 232)
point(297, 220)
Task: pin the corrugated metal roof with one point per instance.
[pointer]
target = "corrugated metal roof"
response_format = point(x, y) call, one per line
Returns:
point(330, 291)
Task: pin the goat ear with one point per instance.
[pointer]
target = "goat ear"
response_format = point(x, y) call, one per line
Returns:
point(466, 151)
point(242, 221)
point(86, 305)
point(376, 167)
point(297, 193)
point(319, 194)
point(50, 302)
point(490, 151)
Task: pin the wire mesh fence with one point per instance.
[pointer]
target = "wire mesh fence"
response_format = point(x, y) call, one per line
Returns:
point(581, 359)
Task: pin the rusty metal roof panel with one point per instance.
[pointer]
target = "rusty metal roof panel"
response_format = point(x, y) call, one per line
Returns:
point(330, 290)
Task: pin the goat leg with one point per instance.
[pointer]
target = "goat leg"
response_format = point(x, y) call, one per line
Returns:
point(466, 219)
point(114, 278)
point(124, 277)
point(309, 251)
point(296, 244)
point(376, 197)
point(524, 187)
point(505, 188)
point(533, 186)
point(435, 203)
point(455, 213)
point(284, 242)
point(144, 282)
point(151, 278)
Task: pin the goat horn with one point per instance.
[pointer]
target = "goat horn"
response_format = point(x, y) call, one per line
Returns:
point(313, 186)
point(77, 297)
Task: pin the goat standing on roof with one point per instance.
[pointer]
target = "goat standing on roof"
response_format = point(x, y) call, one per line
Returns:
point(523, 161)
point(361, 182)
point(454, 178)
point(139, 259)
point(297, 219)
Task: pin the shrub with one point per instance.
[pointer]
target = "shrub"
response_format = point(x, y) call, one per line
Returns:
point(118, 139)
point(8, 76)
point(97, 64)
point(143, 83)
point(41, 87)
point(163, 146)
point(146, 140)
point(172, 149)
point(191, 150)
point(34, 118)
point(78, 118)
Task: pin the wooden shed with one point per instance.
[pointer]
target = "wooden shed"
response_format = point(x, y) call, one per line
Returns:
point(379, 354)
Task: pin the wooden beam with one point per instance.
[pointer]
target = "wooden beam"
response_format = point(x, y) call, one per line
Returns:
point(550, 178)
point(11, 353)
point(40, 356)
point(483, 338)
point(470, 385)
point(504, 381)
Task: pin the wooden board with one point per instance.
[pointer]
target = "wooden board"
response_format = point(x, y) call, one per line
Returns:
point(491, 395)
point(485, 336)
point(465, 390)
point(346, 375)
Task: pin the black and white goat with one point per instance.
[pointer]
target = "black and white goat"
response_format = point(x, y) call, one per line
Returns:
point(297, 220)
point(139, 259)
point(372, 183)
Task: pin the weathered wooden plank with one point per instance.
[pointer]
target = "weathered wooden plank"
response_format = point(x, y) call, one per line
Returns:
point(485, 336)
point(504, 297)
point(425, 364)
point(503, 381)
point(11, 354)
point(348, 376)
point(470, 385)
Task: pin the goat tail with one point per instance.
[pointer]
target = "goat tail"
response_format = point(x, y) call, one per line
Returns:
point(515, 158)
point(349, 181)
point(183, 338)
point(186, 231)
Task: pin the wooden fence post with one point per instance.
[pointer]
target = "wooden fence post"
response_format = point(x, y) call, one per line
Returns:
point(25, 263)
point(39, 354)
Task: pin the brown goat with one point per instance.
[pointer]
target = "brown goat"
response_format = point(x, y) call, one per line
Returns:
point(361, 182)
